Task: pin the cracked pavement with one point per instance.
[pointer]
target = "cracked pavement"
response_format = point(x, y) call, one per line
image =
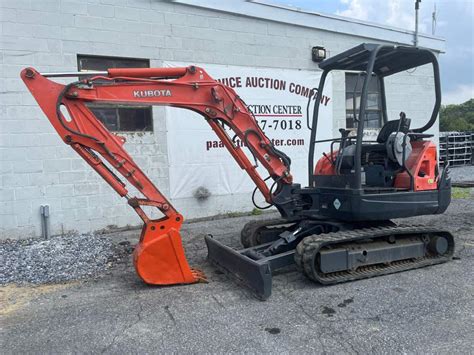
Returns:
point(429, 310)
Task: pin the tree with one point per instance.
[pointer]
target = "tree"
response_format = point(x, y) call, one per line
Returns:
point(459, 118)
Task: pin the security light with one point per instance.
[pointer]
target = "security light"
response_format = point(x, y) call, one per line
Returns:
point(318, 54)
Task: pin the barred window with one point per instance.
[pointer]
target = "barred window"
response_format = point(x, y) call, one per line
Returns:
point(114, 116)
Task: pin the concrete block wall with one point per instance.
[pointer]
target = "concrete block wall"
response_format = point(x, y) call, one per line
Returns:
point(37, 168)
point(413, 93)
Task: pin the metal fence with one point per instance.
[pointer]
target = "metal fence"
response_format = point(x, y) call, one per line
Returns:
point(456, 148)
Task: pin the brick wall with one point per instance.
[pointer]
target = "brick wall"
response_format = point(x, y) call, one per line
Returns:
point(37, 168)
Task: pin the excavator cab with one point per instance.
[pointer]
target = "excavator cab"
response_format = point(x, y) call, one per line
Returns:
point(395, 175)
point(339, 227)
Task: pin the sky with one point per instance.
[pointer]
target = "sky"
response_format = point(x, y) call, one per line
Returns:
point(454, 23)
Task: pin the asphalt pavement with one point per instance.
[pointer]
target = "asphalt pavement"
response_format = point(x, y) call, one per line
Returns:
point(428, 310)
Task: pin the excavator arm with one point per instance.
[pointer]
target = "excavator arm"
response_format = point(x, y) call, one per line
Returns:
point(159, 256)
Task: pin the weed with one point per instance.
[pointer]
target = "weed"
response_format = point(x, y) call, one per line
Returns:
point(461, 192)
point(256, 212)
point(234, 214)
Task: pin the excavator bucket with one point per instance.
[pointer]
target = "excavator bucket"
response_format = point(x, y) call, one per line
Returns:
point(159, 257)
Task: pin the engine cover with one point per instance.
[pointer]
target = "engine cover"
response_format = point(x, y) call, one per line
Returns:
point(395, 147)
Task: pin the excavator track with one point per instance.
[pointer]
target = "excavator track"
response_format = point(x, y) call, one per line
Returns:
point(362, 253)
point(259, 232)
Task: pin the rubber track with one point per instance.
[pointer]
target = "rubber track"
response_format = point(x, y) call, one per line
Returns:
point(252, 227)
point(312, 244)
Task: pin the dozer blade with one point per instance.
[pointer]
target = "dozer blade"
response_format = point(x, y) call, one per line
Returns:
point(159, 257)
point(255, 274)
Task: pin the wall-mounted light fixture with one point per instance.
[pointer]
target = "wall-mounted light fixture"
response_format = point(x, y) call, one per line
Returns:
point(318, 54)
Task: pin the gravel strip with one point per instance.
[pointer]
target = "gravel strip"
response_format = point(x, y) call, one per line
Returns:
point(58, 259)
point(462, 173)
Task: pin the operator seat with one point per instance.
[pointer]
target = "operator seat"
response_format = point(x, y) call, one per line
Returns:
point(379, 149)
point(393, 126)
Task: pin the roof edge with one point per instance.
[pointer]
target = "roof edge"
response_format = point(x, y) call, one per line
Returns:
point(266, 10)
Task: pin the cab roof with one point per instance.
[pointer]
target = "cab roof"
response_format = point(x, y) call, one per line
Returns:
point(389, 59)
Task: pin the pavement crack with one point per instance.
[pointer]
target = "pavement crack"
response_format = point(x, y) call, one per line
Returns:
point(126, 328)
point(217, 301)
point(170, 314)
point(116, 336)
point(319, 333)
point(139, 314)
point(309, 315)
point(340, 339)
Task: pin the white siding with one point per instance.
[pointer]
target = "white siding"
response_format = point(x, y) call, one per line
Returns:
point(37, 168)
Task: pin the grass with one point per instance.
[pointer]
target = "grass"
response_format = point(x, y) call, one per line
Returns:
point(256, 212)
point(461, 192)
point(235, 214)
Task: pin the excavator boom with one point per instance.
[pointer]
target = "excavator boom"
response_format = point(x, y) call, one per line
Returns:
point(159, 257)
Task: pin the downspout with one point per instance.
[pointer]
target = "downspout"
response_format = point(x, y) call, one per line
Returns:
point(44, 211)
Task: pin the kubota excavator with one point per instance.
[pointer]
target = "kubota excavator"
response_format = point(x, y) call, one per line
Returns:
point(335, 229)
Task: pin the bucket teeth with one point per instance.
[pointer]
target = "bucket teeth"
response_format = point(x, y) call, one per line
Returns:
point(199, 276)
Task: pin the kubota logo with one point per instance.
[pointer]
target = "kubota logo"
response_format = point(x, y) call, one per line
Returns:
point(151, 93)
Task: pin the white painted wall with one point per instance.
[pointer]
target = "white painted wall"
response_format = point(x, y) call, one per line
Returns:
point(37, 168)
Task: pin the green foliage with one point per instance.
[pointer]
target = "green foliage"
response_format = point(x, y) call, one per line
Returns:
point(458, 118)
point(256, 212)
point(234, 214)
point(459, 192)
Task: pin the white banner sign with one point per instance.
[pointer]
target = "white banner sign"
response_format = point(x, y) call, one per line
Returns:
point(278, 99)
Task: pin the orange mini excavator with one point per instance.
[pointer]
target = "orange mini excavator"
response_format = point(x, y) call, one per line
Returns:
point(335, 229)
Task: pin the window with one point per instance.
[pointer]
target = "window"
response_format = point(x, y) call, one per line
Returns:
point(118, 117)
point(373, 111)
